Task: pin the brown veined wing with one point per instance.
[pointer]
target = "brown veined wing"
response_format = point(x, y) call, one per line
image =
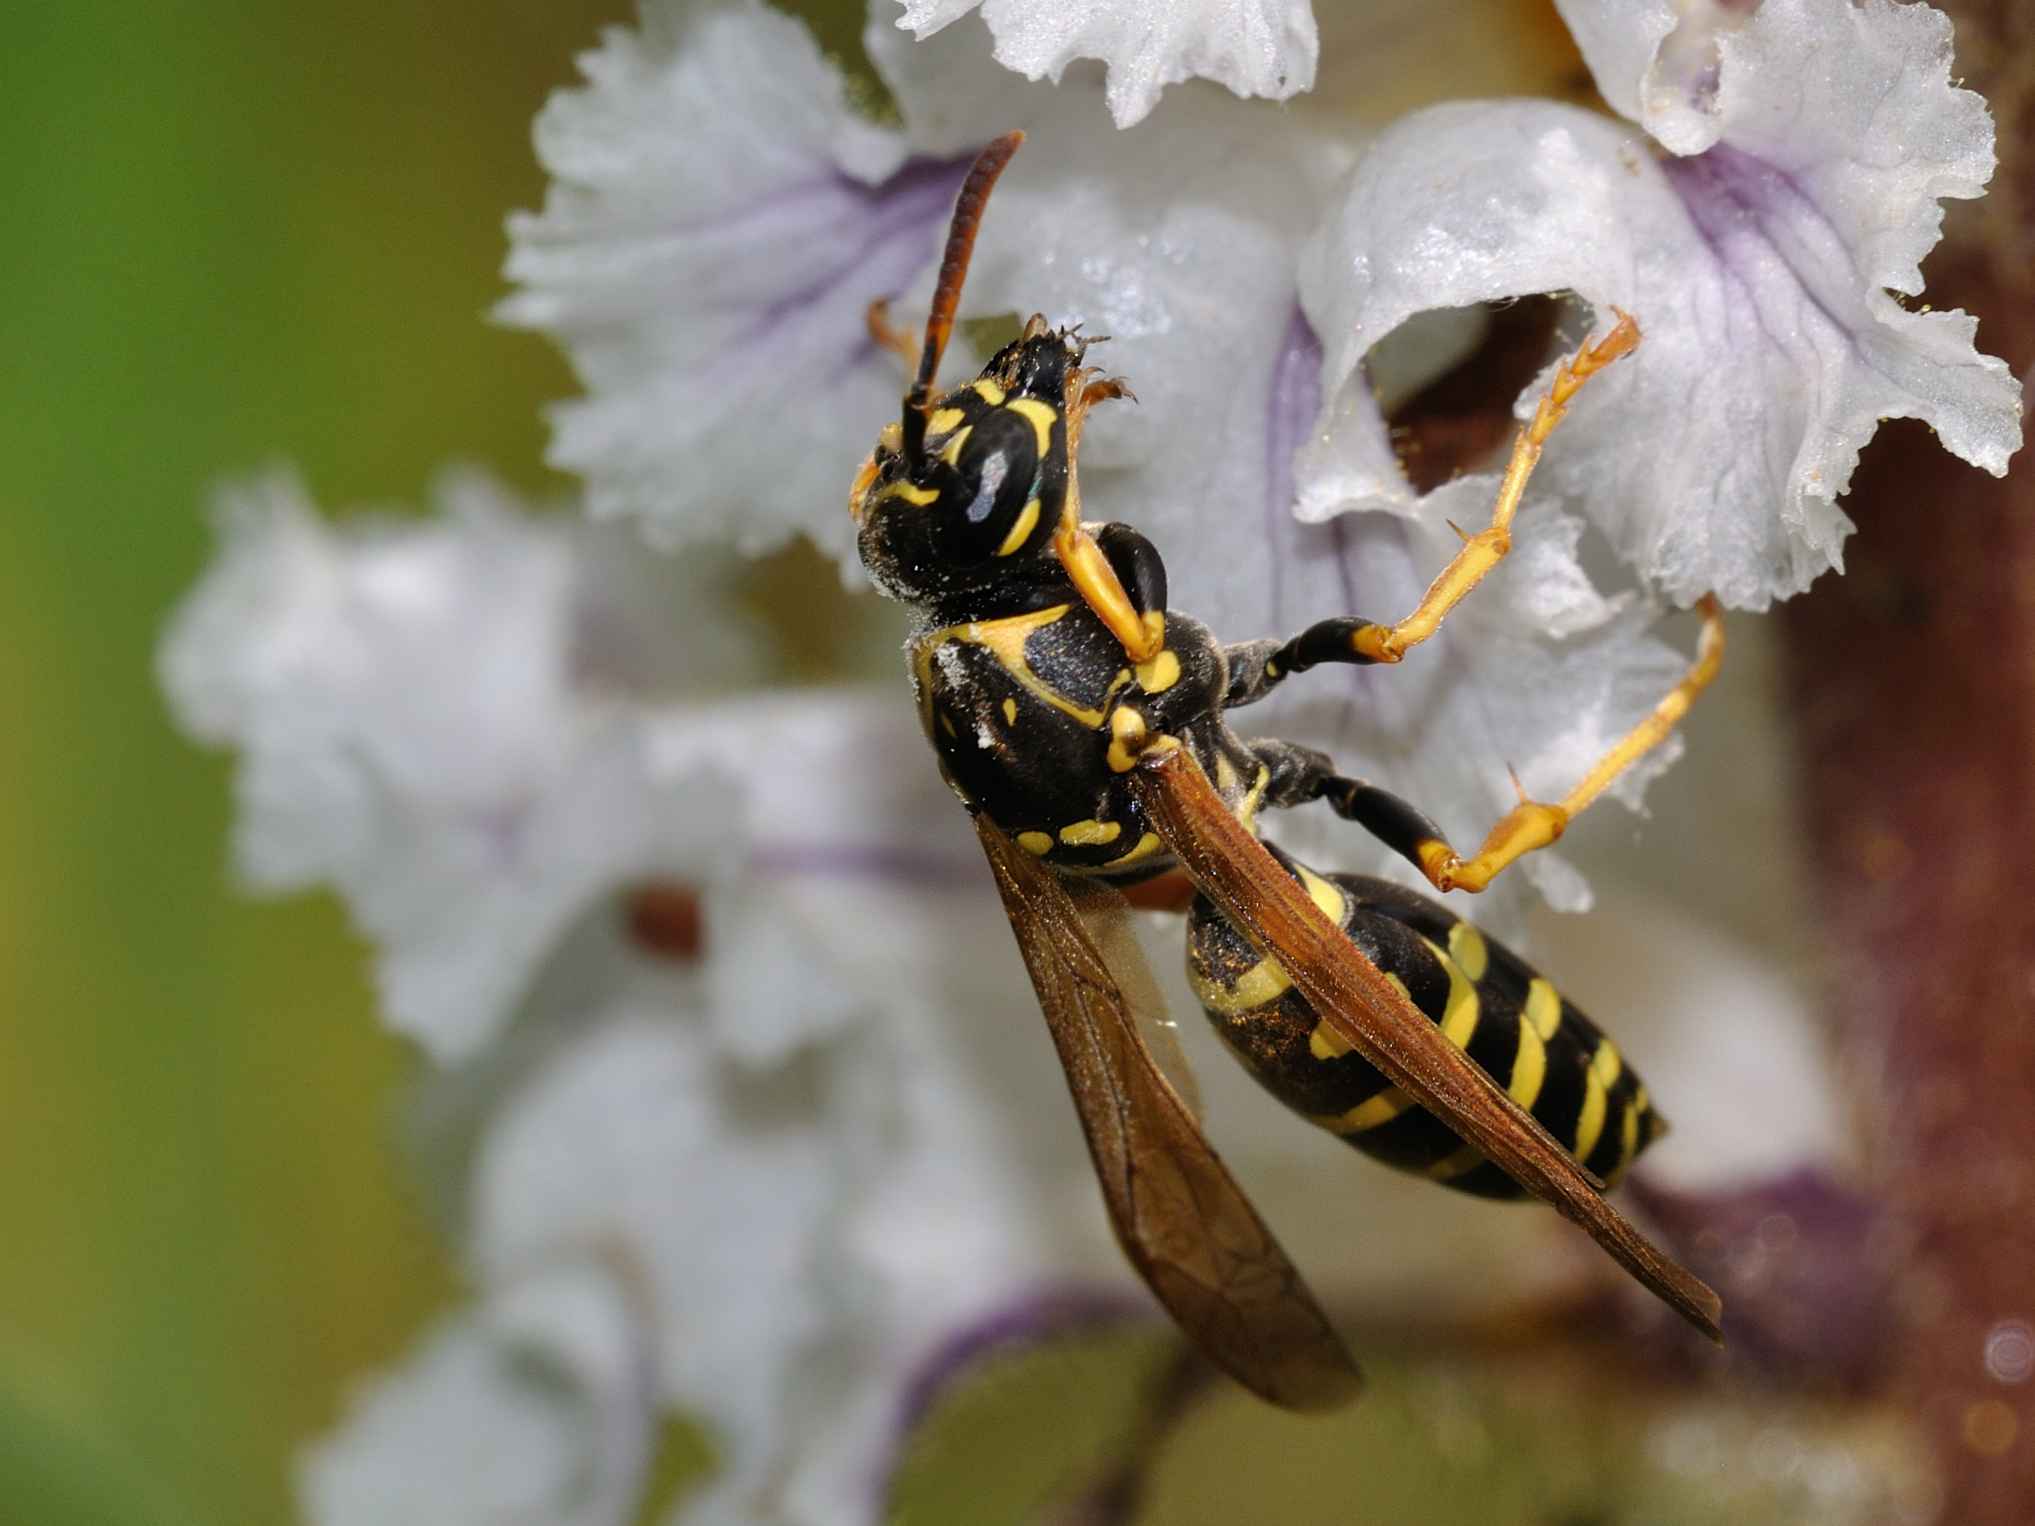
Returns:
point(1180, 1216)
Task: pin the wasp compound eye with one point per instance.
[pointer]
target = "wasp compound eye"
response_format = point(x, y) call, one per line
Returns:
point(994, 492)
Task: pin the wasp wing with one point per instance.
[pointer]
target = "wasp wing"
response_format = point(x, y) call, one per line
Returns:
point(1105, 914)
point(1181, 1218)
point(1353, 996)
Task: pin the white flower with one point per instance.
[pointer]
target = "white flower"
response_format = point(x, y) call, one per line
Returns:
point(1761, 266)
point(1255, 47)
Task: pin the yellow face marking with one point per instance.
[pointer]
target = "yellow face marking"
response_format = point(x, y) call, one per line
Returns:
point(1038, 844)
point(1010, 712)
point(1466, 947)
point(1147, 845)
point(1041, 416)
point(891, 438)
point(865, 474)
point(1021, 532)
point(951, 451)
point(1459, 1163)
point(944, 419)
point(1604, 1067)
point(1326, 1044)
point(1225, 774)
point(910, 492)
point(946, 723)
point(1091, 833)
point(1127, 731)
point(988, 391)
point(1160, 674)
point(1543, 1008)
point(1263, 983)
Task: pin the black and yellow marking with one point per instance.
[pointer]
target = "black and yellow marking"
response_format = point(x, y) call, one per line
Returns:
point(1014, 706)
point(1550, 1057)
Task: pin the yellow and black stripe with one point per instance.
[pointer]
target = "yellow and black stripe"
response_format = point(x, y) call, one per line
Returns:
point(1026, 710)
point(1552, 1059)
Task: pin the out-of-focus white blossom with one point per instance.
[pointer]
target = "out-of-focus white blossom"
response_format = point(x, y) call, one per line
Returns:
point(532, 1407)
point(1255, 47)
point(438, 722)
point(1763, 270)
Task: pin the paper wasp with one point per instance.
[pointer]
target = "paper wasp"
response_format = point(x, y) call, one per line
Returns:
point(1082, 722)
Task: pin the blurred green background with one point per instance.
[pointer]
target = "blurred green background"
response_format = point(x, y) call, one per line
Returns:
point(234, 232)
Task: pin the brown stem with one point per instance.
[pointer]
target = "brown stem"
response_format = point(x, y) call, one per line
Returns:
point(1913, 680)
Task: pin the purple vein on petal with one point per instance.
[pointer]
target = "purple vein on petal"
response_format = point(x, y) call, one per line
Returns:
point(881, 236)
point(1735, 198)
point(1291, 405)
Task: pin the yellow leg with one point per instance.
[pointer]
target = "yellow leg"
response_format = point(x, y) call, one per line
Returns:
point(1141, 636)
point(1531, 824)
point(1484, 550)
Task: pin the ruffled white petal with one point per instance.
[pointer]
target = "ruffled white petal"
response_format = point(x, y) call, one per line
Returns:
point(1254, 47)
point(1758, 270)
point(1668, 89)
point(532, 1407)
point(717, 225)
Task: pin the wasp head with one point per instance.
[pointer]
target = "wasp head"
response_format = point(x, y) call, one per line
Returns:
point(967, 493)
point(985, 491)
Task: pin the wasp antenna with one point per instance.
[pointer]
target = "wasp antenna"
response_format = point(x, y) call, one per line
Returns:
point(953, 271)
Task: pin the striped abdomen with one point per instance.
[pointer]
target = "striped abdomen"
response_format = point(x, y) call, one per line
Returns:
point(1552, 1059)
